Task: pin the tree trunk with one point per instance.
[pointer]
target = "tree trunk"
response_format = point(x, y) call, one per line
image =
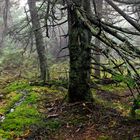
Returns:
point(39, 41)
point(6, 18)
point(98, 6)
point(97, 58)
point(80, 56)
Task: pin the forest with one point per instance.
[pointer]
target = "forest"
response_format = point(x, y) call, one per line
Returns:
point(69, 70)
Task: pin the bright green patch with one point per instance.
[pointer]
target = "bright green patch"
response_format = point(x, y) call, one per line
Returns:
point(137, 114)
point(24, 115)
point(32, 98)
point(17, 85)
point(21, 119)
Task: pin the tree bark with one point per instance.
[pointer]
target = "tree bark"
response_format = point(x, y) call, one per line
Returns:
point(97, 58)
point(39, 41)
point(98, 6)
point(80, 55)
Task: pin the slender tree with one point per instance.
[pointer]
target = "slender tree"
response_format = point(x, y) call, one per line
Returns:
point(98, 4)
point(4, 12)
point(39, 40)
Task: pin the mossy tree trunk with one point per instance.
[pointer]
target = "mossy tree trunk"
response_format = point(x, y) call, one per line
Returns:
point(80, 56)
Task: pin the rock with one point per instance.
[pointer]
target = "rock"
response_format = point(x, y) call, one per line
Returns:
point(12, 110)
point(1, 96)
point(2, 118)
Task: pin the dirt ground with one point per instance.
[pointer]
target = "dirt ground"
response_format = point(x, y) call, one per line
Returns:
point(88, 121)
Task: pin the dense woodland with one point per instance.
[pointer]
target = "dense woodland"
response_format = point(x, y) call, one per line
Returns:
point(69, 70)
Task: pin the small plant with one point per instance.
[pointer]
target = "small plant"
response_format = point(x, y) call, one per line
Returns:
point(136, 105)
point(136, 138)
point(104, 138)
point(125, 79)
point(53, 124)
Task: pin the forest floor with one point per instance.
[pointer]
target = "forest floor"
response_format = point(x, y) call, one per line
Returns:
point(107, 119)
point(42, 113)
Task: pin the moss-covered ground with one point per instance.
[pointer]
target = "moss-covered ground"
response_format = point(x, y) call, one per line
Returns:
point(24, 114)
point(43, 113)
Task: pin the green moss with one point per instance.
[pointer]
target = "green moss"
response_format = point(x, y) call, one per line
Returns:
point(26, 114)
point(136, 115)
point(19, 121)
point(23, 117)
point(138, 111)
point(6, 135)
point(10, 101)
point(17, 85)
point(111, 88)
point(136, 138)
point(31, 98)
